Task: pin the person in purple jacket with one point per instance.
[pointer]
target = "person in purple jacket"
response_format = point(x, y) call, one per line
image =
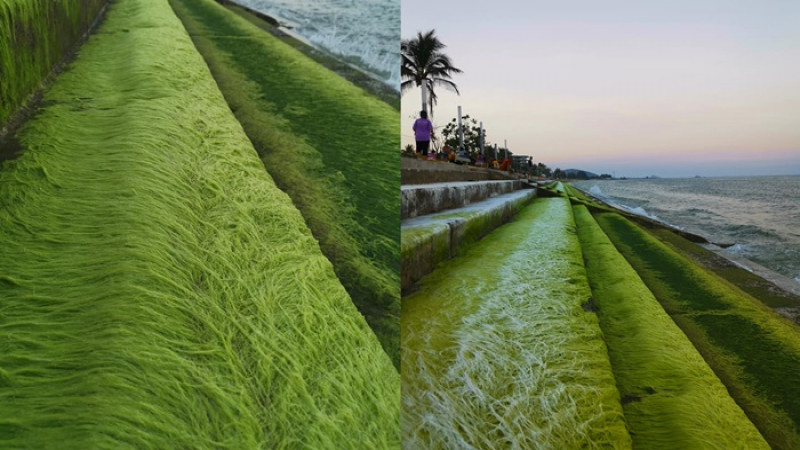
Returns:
point(423, 131)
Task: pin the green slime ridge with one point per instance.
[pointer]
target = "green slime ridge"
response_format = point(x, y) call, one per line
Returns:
point(671, 398)
point(328, 144)
point(499, 353)
point(34, 36)
point(752, 349)
point(158, 290)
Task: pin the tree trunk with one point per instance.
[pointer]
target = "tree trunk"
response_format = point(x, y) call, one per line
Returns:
point(424, 86)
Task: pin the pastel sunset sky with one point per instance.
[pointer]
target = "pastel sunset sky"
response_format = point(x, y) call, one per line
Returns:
point(633, 88)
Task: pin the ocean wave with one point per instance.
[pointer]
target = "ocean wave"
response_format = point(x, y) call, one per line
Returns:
point(738, 249)
point(638, 210)
point(701, 211)
point(747, 232)
point(758, 213)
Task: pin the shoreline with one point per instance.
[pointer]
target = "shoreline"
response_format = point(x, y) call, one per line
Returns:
point(369, 82)
point(787, 287)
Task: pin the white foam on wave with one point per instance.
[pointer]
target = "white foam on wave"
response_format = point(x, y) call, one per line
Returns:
point(638, 210)
point(738, 248)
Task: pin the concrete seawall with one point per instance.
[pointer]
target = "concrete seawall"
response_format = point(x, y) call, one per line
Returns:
point(419, 200)
point(415, 171)
point(428, 241)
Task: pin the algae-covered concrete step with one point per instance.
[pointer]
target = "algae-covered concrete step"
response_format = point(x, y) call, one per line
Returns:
point(671, 397)
point(422, 199)
point(428, 240)
point(498, 350)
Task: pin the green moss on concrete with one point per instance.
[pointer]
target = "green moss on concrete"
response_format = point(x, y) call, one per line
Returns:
point(331, 146)
point(671, 273)
point(671, 398)
point(498, 351)
point(743, 279)
point(703, 305)
point(34, 36)
point(423, 247)
point(158, 289)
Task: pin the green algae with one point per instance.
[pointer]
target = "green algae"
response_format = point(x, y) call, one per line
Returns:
point(329, 145)
point(425, 246)
point(509, 360)
point(421, 249)
point(158, 289)
point(671, 398)
point(745, 280)
point(34, 36)
point(756, 359)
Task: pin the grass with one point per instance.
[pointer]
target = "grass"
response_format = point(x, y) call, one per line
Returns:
point(158, 289)
point(512, 359)
point(671, 398)
point(751, 348)
point(34, 36)
point(328, 144)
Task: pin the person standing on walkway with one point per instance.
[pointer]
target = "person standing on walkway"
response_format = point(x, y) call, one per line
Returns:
point(423, 131)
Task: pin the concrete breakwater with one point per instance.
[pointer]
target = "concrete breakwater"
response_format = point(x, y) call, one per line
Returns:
point(649, 287)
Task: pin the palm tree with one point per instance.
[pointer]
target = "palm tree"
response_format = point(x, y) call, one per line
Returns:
point(424, 65)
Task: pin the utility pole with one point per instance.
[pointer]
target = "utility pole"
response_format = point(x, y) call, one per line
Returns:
point(460, 131)
point(481, 139)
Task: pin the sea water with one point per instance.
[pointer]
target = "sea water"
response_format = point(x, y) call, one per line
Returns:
point(365, 33)
point(759, 216)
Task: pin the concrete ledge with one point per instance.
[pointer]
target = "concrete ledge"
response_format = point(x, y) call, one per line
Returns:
point(422, 199)
point(415, 171)
point(429, 240)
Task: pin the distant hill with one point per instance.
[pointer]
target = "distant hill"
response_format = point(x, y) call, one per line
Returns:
point(580, 174)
